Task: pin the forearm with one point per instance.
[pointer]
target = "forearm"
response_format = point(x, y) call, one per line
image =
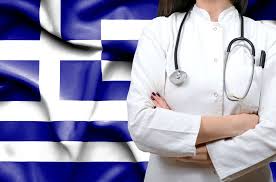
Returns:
point(214, 128)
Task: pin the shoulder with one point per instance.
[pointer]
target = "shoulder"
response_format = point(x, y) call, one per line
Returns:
point(161, 24)
point(263, 31)
point(156, 28)
point(161, 28)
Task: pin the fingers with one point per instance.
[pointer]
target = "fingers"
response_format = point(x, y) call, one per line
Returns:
point(159, 101)
point(155, 102)
point(197, 160)
point(194, 161)
point(198, 157)
point(201, 149)
point(162, 98)
point(201, 156)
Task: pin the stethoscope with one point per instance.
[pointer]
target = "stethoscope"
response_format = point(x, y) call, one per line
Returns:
point(178, 77)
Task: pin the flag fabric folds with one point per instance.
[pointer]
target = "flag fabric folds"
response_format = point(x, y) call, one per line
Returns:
point(64, 77)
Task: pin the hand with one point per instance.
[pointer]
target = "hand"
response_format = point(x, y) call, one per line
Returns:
point(243, 122)
point(201, 158)
point(159, 101)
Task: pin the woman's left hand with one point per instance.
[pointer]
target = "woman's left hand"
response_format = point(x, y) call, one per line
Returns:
point(202, 157)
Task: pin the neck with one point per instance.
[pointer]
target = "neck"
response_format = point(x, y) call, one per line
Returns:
point(214, 7)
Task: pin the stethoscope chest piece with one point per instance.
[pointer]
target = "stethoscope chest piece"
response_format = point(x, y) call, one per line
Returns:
point(178, 77)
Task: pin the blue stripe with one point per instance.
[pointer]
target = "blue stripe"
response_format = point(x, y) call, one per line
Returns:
point(82, 80)
point(110, 131)
point(78, 171)
point(72, 172)
point(76, 18)
point(273, 169)
point(119, 50)
point(19, 20)
point(16, 87)
point(84, 22)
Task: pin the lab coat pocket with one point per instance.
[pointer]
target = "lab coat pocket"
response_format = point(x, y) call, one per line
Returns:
point(251, 102)
point(239, 69)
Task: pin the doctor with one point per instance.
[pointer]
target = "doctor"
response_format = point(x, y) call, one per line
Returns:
point(219, 123)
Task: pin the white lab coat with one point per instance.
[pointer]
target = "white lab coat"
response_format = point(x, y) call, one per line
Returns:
point(202, 47)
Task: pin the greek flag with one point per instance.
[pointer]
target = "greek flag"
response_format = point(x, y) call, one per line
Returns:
point(64, 77)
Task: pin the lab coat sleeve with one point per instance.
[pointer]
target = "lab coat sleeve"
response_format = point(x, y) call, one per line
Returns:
point(160, 131)
point(256, 147)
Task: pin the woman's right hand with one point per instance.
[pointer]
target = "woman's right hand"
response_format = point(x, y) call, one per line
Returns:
point(242, 122)
point(159, 101)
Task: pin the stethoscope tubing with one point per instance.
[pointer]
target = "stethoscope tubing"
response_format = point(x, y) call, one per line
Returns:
point(229, 47)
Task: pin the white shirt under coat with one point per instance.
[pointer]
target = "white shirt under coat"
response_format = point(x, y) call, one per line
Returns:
point(164, 133)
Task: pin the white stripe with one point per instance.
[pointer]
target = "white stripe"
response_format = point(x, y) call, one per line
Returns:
point(116, 70)
point(51, 47)
point(46, 48)
point(49, 73)
point(122, 29)
point(20, 50)
point(71, 151)
point(49, 15)
point(23, 111)
point(91, 110)
point(63, 111)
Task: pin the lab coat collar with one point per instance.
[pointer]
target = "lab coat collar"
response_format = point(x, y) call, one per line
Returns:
point(223, 16)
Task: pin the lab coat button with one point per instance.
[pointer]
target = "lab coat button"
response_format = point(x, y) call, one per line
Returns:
point(215, 28)
point(215, 60)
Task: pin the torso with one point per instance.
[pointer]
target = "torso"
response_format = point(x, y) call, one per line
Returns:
point(201, 55)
